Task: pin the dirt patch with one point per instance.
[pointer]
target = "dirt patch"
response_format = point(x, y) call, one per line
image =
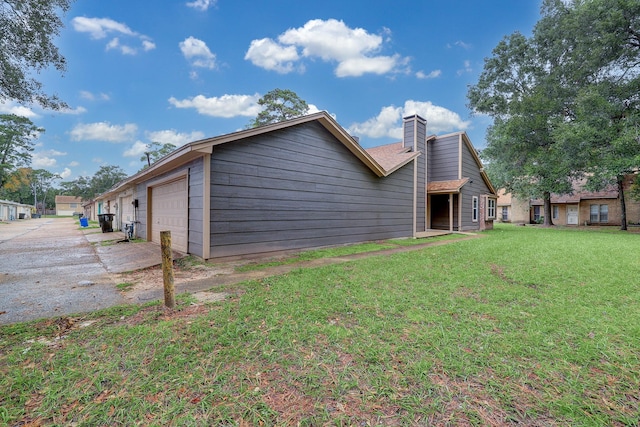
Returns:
point(151, 278)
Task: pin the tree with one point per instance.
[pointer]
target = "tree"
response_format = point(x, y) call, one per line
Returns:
point(16, 143)
point(88, 187)
point(41, 184)
point(279, 105)
point(603, 127)
point(28, 28)
point(518, 89)
point(156, 151)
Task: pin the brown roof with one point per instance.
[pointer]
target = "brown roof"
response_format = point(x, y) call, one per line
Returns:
point(578, 194)
point(391, 156)
point(68, 199)
point(452, 186)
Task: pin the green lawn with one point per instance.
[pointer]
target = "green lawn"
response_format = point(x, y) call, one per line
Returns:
point(525, 325)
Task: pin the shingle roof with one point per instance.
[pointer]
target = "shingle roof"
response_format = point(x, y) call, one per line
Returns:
point(68, 199)
point(452, 186)
point(391, 156)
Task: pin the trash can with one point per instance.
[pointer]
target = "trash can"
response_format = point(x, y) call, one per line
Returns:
point(84, 222)
point(20, 216)
point(106, 222)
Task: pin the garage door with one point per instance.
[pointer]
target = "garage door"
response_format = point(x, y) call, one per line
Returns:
point(169, 212)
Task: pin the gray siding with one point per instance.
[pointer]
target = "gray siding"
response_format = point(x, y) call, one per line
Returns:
point(195, 182)
point(443, 159)
point(299, 188)
point(475, 187)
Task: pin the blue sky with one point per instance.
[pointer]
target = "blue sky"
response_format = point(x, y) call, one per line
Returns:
point(179, 71)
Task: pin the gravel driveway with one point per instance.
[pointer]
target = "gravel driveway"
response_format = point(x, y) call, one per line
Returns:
point(48, 268)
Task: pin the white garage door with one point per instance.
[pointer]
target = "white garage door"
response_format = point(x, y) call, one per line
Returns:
point(169, 212)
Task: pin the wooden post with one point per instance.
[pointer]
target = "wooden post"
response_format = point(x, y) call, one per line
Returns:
point(167, 270)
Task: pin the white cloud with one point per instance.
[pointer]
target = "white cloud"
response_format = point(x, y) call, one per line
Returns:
point(201, 5)
point(432, 75)
point(103, 131)
point(197, 52)
point(171, 136)
point(354, 49)
point(224, 106)
point(100, 28)
point(85, 94)
point(466, 68)
point(73, 164)
point(19, 110)
point(388, 123)
point(73, 111)
point(45, 159)
point(136, 150)
point(66, 173)
point(267, 54)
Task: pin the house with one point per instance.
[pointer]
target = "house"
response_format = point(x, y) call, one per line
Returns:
point(306, 183)
point(68, 205)
point(512, 209)
point(10, 211)
point(580, 207)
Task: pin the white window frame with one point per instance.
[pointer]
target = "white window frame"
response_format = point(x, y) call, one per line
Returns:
point(474, 209)
point(491, 208)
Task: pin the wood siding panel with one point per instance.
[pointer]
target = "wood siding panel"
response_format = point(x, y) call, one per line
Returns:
point(475, 187)
point(443, 159)
point(301, 188)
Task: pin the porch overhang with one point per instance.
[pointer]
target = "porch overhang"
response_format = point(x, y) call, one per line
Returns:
point(446, 187)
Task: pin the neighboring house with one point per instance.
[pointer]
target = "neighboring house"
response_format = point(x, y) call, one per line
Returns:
point(119, 202)
point(511, 209)
point(306, 183)
point(581, 207)
point(10, 211)
point(68, 205)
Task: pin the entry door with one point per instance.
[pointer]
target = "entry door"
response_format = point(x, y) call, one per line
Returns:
point(572, 215)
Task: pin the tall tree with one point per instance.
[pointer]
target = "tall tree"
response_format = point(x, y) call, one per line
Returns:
point(17, 136)
point(602, 41)
point(28, 28)
point(156, 151)
point(279, 105)
point(88, 187)
point(518, 89)
point(41, 183)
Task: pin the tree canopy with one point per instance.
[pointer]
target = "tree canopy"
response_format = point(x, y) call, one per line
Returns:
point(17, 135)
point(26, 46)
point(279, 105)
point(564, 101)
point(156, 151)
point(88, 187)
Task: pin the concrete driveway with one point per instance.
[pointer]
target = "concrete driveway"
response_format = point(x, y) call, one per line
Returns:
point(49, 267)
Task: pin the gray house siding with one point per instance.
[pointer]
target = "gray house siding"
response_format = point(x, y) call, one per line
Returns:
point(299, 188)
point(443, 159)
point(195, 193)
point(475, 187)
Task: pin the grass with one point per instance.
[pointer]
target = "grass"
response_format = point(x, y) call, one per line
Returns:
point(526, 325)
point(338, 251)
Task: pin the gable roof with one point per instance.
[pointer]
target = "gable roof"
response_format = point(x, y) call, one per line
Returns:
point(68, 199)
point(467, 142)
point(196, 149)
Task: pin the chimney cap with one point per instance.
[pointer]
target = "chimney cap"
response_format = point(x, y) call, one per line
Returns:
point(416, 117)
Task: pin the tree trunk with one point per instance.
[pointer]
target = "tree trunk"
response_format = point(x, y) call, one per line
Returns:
point(623, 205)
point(547, 210)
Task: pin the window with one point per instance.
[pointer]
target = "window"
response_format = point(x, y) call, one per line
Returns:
point(474, 209)
point(491, 208)
point(73, 205)
point(599, 213)
point(536, 214)
point(556, 212)
point(505, 213)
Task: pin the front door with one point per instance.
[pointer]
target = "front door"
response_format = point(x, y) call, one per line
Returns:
point(572, 215)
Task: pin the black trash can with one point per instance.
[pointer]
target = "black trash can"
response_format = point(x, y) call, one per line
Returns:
point(21, 216)
point(106, 222)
